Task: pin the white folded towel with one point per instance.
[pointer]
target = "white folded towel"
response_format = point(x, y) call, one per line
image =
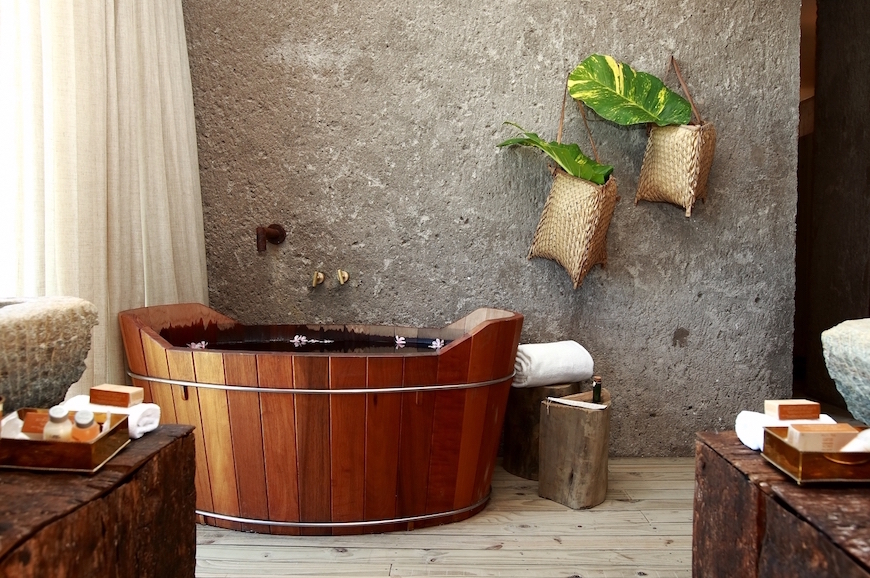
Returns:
point(551, 364)
point(141, 418)
point(750, 425)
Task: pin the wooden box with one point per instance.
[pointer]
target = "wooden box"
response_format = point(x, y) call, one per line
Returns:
point(792, 408)
point(83, 457)
point(804, 467)
point(116, 395)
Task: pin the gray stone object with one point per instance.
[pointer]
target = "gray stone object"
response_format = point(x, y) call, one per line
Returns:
point(847, 356)
point(43, 346)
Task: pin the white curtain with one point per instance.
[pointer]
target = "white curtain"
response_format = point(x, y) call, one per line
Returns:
point(100, 185)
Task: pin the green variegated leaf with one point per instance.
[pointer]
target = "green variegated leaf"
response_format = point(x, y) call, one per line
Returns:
point(568, 156)
point(617, 92)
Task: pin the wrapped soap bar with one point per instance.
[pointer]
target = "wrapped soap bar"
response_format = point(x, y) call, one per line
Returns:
point(792, 408)
point(819, 437)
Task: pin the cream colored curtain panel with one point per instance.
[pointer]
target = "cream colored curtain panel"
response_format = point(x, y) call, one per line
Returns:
point(101, 196)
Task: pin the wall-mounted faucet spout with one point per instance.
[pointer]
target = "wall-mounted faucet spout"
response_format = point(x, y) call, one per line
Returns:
point(275, 234)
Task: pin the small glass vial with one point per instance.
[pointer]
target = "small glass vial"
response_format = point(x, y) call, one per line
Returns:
point(58, 427)
point(85, 428)
point(596, 389)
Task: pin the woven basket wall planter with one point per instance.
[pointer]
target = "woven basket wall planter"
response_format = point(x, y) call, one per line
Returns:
point(676, 165)
point(573, 226)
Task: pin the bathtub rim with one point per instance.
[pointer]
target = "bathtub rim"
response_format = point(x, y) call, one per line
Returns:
point(300, 391)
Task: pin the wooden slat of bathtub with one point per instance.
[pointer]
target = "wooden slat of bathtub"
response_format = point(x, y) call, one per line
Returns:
point(505, 353)
point(473, 424)
point(135, 353)
point(208, 366)
point(312, 441)
point(279, 440)
point(383, 423)
point(418, 409)
point(156, 366)
point(247, 437)
point(347, 441)
point(493, 422)
point(186, 402)
point(447, 427)
point(482, 367)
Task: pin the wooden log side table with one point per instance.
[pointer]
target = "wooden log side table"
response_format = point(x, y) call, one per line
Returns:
point(750, 519)
point(522, 426)
point(134, 517)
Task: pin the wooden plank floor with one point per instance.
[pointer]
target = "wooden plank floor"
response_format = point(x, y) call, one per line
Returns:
point(644, 528)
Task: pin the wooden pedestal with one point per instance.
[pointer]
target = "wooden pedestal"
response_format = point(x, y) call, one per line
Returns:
point(135, 517)
point(522, 423)
point(751, 520)
point(573, 453)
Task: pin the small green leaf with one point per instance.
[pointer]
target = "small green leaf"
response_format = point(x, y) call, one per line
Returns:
point(616, 92)
point(568, 156)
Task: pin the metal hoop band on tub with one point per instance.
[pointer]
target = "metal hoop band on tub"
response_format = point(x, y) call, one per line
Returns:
point(254, 388)
point(404, 520)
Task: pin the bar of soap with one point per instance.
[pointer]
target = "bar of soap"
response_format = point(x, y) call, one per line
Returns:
point(116, 395)
point(820, 437)
point(792, 408)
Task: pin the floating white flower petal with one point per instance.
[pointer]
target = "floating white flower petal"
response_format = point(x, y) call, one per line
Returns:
point(198, 345)
point(437, 344)
point(400, 342)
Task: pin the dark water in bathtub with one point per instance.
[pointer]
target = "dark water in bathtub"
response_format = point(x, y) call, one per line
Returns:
point(336, 347)
point(293, 339)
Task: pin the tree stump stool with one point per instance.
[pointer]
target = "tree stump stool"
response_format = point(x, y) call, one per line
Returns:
point(573, 454)
point(522, 425)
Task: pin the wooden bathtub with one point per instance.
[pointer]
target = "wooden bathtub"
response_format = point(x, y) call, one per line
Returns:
point(330, 443)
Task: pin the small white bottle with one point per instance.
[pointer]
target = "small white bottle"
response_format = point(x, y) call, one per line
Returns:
point(85, 428)
point(58, 427)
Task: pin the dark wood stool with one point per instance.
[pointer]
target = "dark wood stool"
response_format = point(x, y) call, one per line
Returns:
point(522, 426)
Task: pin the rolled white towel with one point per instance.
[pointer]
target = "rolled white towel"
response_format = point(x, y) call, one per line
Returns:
point(141, 418)
point(750, 425)
point(551, 363)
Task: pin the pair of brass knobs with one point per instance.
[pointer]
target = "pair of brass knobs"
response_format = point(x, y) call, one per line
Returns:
point(318, 277)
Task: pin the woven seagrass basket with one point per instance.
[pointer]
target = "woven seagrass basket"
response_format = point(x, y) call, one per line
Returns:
point(573, 226)
point(676, 165)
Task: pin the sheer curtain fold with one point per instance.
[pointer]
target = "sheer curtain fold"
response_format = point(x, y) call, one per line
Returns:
point(100, 146)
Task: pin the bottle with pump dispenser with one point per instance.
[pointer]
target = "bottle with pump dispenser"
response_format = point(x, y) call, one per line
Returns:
point(58, 427)
point(85, 428)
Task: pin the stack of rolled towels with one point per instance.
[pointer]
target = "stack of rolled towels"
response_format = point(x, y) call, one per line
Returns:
point(551, 364)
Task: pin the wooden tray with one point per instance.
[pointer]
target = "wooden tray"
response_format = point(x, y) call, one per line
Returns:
point(55, 456)
point(814, 467)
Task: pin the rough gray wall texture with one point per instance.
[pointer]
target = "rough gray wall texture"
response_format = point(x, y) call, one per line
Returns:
point(840, 258)
point(369, 129)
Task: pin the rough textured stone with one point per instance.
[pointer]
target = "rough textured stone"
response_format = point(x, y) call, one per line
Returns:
point(369, 131)
point(847, 355)
point(43, 346)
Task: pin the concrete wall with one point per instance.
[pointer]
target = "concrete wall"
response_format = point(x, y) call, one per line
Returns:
point(368, 129)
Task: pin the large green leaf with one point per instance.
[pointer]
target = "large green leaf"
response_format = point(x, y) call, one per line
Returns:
point(568, 156)
point(620, 94)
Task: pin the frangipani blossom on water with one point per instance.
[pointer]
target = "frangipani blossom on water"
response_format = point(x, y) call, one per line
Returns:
point(437, 344)
point(400, 342)
point(302, 340)
point(198, 345)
